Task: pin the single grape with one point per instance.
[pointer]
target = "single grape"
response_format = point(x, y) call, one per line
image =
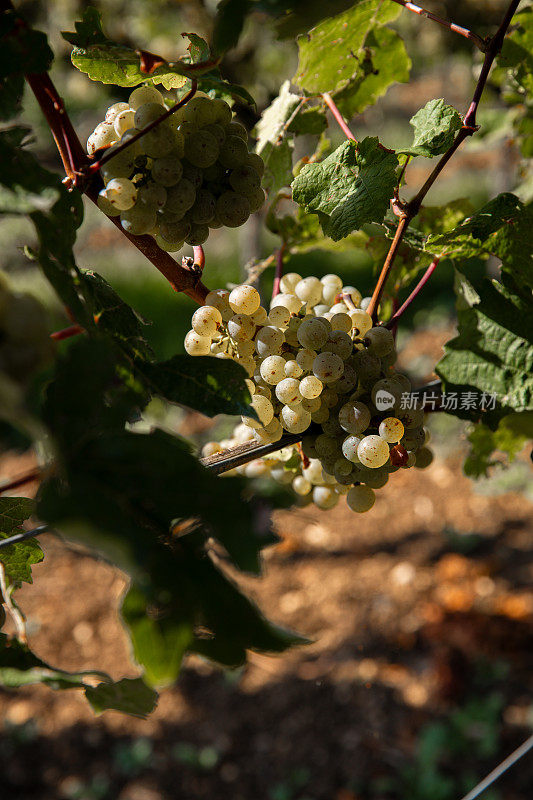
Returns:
point(203, 209)
point(193, 174)
point(341, 322)
point(312, 335)
point(295, 420)
point(175, 231)
point(311, 405)
point(347, 382)
point(233, 152)
point(340, 343)
point(236, 129)
point(197, 235)
point(279, 316)
point(219, 298)
point(152, 194)
point(289, 301)
point(305, 357)
point(329, 397)
point(256, 162)
point(120, 165)
point(181, 197)
point(367, 367)
point(269, 341)
point(104, 205)
point(272, 369)
point(102, 136)
point(221, 111)
point(264, 410)
point(199, 111)
point(244, 299)
point(232, 209)
point(201, 149)
point(361, 498)
point(196, 345)
point(256, 200)
point(147, 113)
point(361, 322)
point(301, 485)
point(244, 180)
point(325, 497)
point(241, 326)
point(386, 395)
point(309, 290)
point(353, 294)
point(158, 142)
point(288, 391)
point(167, 171)
point(121, 193)
point(288, 282)
point(123, 122)
point(349, 448)
point(293, 369)
point(138, 220)
point(311, 387)
point(260, 316)
point(354, 417)
point(328, 367)
point(399, 456)
point(379, 341)
point(115, 109)
point(373, 451)
point(170, 247)
point(143, 95)
point(391, 429)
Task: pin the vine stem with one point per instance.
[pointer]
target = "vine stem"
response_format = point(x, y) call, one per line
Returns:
point(393, 321)
point(15, 614)
point(410, 210)
point(75, 162)
point(329, 101)
point(480, 43)
point(67, 333)
point(279, 271)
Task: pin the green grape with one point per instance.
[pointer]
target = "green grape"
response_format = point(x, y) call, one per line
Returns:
point(221, 111)
point(104, 205)
point(215, 223)
point(168, 170)
point(217, 131)
point(121, 193)
point(181, 197)
point(361, 498)
point(118, 166)
point(236, 129)
point(201, 149)
point(199, 111)
point(257, 163)
point(174, 231)
point(203, 210)
point(142, 95)
point(159, 142)
point(170, 247)
point(138, 220)
point(193, 174)
point(256, 200)
point(233, 152)
point(232, 209)
point(187, 129)
point(245, 180)
point(214, 174)
point(148, 113)
point(197, 235)
point(180, 143)
point(152, 194)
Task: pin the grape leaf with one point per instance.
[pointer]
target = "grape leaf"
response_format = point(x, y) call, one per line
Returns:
point(349, 188)
point(229, 22)
point(309, 121)
point(271, 126)
point(209, 385)
point(302, 233)
point(23, 48)
point(493, 352)
point(332, 55)
point(18, 558)
point(512, 433)
point(501, 228)
point(384, 61)
point(129, 696)
point(517, 50)
point(159, 640)
point(278, 166)
point(435, 127)
point(25, 186)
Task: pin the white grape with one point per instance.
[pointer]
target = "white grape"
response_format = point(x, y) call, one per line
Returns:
point(121, 193)
point(288, 282)
point(144, 94)
point(269, 341)
point(206, 320)
point(289, 301)
point(313, 473)
point(264, 410)
point(124, 121)
point(301, 485)
point(196, 345)
point(219, 299)
point(260, 316)
point(338, 342)
point(311, 405)
point(354, 417)
point(379, 341)
point(311, 387)
point(391, 429)
point(349, 448)
point(341, 322)
point(244, 300)
point(324, 497)
point(373, 451)
point(273, 369)
point(113, 110)
point(293, 369)
point(147, 113)
point(104, 205)
point(312, 334)
point(279, 316)
point(241, 326)
point(328, 367)
point(309, 290)
point(288, 391)
point(361, 321)
point(305, 358)
point(295, 420)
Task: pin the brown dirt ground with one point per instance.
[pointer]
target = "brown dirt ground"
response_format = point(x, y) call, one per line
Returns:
point(402, 624)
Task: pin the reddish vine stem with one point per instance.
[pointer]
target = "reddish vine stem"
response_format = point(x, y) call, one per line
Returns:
point(329, 101)
point(279, 271)
point(392, 323)
point(96, 165)
point(478, 41)
point(67, 333)
point(199, 257)
point(411, 209)
point(75, 160)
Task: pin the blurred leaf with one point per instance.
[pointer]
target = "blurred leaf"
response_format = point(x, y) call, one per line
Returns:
point(129, 696)
point(20, 667)
point(271, 126)
point(302, 233)
point(278, 166)
point(198, 48)
point(309, 121)
point(229, 22)
point(517, 50)
point(435, 127)
point(384, 62)
point(159, 640)
point(23, 49)
point(501, 228)
point(88, 31)
point(18, 558)
point(349, 188)
point(209, 385)
point(25, 186)
point(493, 352)
point(512, 433)
point(332, 55)
point(11, 93)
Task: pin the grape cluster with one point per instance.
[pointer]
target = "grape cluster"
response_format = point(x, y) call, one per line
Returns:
point(25, 346)
point(190, 173)
point(315, 361)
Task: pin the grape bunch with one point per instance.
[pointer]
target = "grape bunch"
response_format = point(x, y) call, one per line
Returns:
point(316, 363)
point(189, 174)
point(25, 346)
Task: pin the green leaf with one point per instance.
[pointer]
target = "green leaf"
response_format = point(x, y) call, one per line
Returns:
point(198, 48)
point(159, 638)
point(302, 233)
point(89, 31)
point(384, 62)
point(493, 352)
point(435, 127)
point(115, 317)
point(18, 558)
point(332, 55)
point(229, 22)
point(278, 166)
point(271, 126)
point(210, 385)
point(25, 186)
point(517, 50)
point(512, 433)
point(129, 696)
point(309, 121)
point(501, 228)
point(23, 48)
point(349, 188)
